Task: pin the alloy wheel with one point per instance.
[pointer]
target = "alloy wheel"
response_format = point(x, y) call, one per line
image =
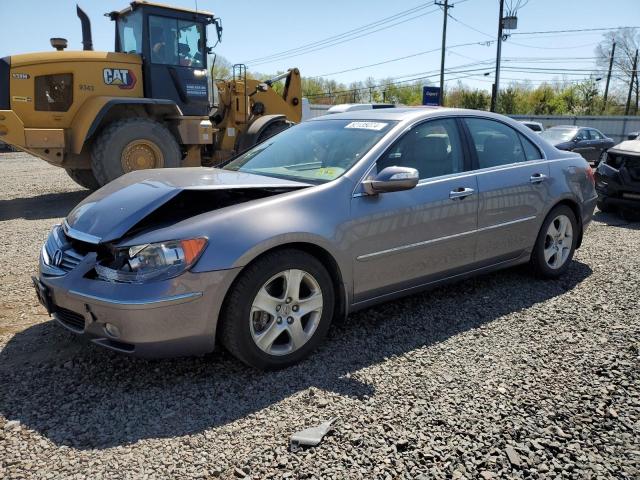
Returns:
point(558, 242)
point(285, 312)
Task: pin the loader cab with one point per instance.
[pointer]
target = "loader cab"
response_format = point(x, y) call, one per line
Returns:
point(173, 45)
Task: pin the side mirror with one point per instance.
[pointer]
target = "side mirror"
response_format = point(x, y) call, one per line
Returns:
point(392, 179)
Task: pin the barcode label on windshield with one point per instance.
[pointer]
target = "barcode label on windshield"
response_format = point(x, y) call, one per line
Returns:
point(367, 125)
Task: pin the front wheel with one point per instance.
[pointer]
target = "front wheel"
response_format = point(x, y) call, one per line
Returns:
point(278, 311)
point(556, 243)
point(133, 144)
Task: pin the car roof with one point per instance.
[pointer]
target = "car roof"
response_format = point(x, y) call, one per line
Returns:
point(403, 113)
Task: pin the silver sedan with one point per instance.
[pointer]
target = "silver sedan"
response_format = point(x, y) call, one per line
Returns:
point(328, 217)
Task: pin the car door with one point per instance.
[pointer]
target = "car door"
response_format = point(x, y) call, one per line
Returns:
point(583, 145)
point(599, 142)
point(513, 189)
point(408, 238)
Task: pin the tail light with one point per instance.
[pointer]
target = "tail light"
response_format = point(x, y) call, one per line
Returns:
point(590, 175)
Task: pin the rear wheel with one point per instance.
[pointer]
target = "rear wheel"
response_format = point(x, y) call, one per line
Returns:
point(603, 207)
point(84, 178)
point(556, 243)
point(278, 311)
point(133, 144)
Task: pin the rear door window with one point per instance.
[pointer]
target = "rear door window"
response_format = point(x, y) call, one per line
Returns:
point(531, 152)
point(595, 134)
point(495, 143)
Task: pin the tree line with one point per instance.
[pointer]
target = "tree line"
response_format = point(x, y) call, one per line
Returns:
point(554, 97)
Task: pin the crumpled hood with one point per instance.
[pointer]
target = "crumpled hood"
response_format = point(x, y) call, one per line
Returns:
point(110, 212)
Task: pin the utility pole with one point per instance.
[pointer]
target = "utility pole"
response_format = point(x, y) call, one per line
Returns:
point(445, 9)
point(606, 88)
point(634, 72)
point(496, 83)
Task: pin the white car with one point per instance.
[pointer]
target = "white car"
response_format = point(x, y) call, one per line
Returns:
point(352, 107)
point(535, 126)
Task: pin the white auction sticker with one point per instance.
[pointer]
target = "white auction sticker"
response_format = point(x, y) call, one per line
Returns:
point(367, 125)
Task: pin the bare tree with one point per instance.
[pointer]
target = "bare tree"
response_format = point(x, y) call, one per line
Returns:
point(627, 41)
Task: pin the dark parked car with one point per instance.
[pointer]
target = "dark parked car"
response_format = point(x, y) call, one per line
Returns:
point(633, 136)
point(618, 180)
point(5, 148)
point(588, 142)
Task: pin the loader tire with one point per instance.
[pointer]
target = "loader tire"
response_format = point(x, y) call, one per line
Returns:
point(273, 129)
point(133, 144)
point(84, 178)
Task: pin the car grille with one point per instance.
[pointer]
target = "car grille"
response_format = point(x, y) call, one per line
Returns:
point(68, 258)
point(70, 319)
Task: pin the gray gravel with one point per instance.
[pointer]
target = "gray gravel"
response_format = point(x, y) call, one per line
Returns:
point(500, 376)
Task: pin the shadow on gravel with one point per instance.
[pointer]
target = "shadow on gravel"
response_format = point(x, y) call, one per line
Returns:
point(614, 219)
point(81, 396)
point(50, 205)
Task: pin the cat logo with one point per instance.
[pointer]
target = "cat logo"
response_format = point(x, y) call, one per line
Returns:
point(121, 77)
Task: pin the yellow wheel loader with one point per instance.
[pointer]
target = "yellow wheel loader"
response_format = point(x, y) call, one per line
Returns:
point(149, 104)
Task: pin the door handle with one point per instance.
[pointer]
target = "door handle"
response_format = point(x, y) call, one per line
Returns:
point(537, 178)
point(461, 193)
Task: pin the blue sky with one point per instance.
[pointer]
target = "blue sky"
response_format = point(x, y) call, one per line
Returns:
point(257, 29)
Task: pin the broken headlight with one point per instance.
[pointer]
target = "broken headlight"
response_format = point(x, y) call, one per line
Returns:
point(152, 261)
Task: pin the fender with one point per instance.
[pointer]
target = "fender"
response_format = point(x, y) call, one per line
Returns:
point(93, 112)
point(250, 137)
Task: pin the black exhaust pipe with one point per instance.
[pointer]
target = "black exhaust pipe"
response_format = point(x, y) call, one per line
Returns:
point(87, 43)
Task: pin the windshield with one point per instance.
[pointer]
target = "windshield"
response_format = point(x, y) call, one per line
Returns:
point(317, 152)
point(558, 135)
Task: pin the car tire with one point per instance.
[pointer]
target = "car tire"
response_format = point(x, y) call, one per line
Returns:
point(243, 325)
point(84, 178)
point(133, 144)
point(273, 129)
point(604, 207)
point(546, 266)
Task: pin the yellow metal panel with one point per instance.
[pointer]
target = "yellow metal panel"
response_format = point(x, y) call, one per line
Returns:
point(11, 128)
point(38, 58)
point(44, 137)
point(83, 120)
point(95, 74)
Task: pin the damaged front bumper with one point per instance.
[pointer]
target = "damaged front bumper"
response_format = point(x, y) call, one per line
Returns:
point(617, 187)
point(157, 319)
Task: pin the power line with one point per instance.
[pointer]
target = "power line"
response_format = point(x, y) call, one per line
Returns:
point(397, 59)
point(570, 31)
point(346, 36)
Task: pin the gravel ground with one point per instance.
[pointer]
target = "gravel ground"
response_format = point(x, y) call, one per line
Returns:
point(500, 376)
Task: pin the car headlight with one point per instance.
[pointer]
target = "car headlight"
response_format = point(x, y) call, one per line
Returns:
point(152, 261)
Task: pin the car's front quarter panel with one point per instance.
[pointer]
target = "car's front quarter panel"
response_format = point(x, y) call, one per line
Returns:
point(318, 216)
